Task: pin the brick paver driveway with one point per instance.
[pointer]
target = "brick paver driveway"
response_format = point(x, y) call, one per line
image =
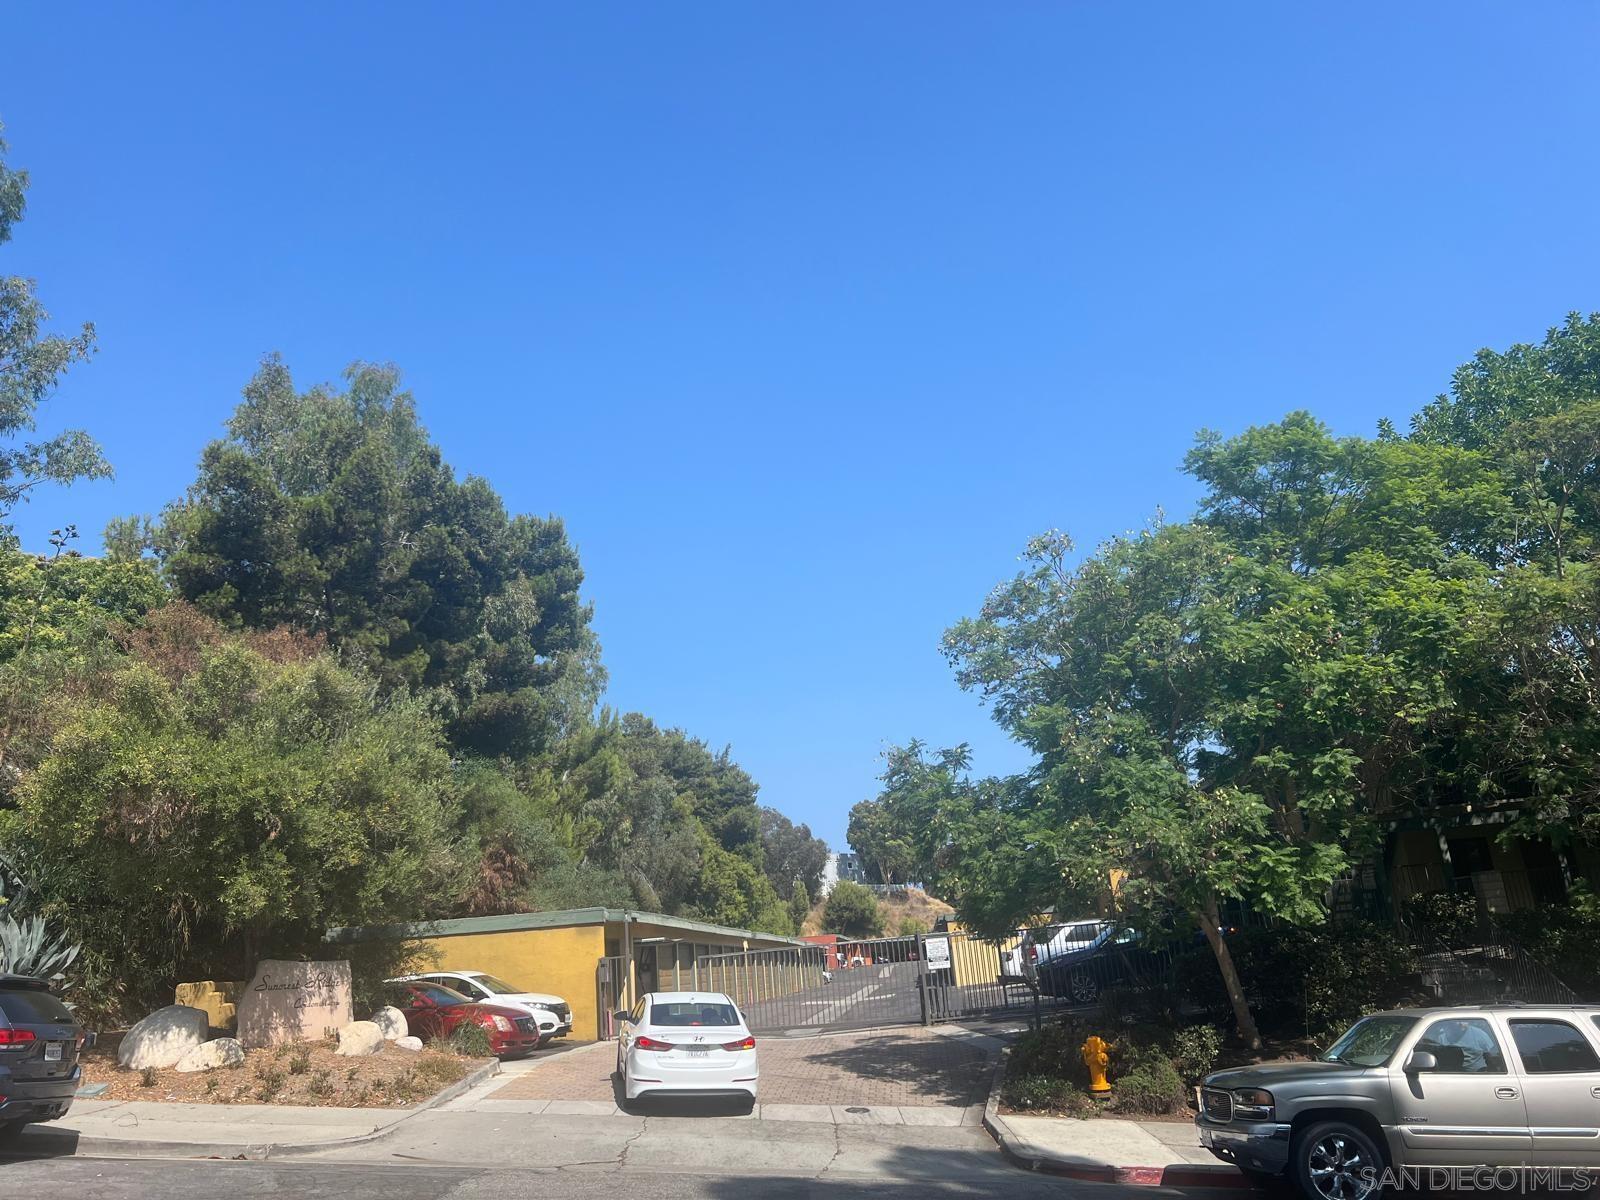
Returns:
point(903, 1068)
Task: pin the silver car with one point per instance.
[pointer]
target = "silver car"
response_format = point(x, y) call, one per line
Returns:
point(1498, 1085)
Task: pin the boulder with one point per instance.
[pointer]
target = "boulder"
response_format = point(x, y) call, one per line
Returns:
point(408, 1043)
point(208, 1056)
point(359, 1039)
point(294, 1001)
point(392, 1021)
point(163, 1037)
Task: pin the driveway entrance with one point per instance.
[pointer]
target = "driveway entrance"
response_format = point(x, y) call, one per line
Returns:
point(888, 1068)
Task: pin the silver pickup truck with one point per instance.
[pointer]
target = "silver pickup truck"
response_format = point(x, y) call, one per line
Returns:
point(1487, 1086)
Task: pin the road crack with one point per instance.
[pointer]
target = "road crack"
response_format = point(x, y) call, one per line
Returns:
point(644, 1126)
point(838, 1149)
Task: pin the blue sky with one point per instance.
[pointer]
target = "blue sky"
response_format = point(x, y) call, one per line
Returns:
point(804, 317)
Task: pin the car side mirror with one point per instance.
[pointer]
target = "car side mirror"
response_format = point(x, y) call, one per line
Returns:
point(620, 1015)
point(1421, 1060)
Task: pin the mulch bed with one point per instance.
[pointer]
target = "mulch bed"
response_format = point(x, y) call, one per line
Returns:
point(307, 1073)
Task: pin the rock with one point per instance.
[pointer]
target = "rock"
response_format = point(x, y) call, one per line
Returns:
point(208, 1056)
point(392, 1021)
point(359, 1039)
point(163, 1037)
point(294, 1001)
point(408, 1043)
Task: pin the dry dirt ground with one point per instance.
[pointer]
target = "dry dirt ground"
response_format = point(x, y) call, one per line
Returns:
point(299, 1073)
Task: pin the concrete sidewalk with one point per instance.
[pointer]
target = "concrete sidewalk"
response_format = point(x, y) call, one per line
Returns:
point(1104, 1149)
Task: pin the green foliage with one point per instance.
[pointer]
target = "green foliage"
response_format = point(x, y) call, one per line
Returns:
point(1309, 981)
point(910, 927)
point(201, 809)
point(792, 857)
point(852, 910)
point(30, 947)
point(1046, 1069)
point(331, 511)
point(1565, 937)
point(883, 842)
point(1443, 920)
point(32, 363)
point(472, 1040)
point(1195, 1050)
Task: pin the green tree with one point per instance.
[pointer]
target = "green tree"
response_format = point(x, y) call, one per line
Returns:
point(793, 858)
point(852, 910)
point(32, 363)
point(333, 513)
point(214, 799)
point(885, 847)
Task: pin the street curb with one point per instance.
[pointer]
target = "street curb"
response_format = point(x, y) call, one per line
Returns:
point(1022, 1153)
point(41, 1136)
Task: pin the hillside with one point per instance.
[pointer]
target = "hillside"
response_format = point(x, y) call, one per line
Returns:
point(911, 905)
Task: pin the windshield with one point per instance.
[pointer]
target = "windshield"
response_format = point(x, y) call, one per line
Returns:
point(498, 986)
point(693, 1014)
point(1370, 1042)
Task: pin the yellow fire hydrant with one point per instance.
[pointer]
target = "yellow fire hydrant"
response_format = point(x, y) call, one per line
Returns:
point(1097, 1059)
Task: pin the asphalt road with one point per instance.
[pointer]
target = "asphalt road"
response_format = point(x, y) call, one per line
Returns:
point(165, 1179)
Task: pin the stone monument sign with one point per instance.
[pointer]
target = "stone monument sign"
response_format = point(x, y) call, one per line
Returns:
point(290, 1000)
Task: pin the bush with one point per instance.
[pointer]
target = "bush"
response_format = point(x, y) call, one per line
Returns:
point(1195, 1051)
point(852, 910)
point(1444, 920)
point(1564, 937)
point(471, 1039)
point(1048, 1093)
point(1143, 1081)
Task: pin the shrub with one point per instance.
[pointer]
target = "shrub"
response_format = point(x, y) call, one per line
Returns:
point(1564, 937)
point(269, 1082)
point(147, 1077)
point(300, 1061)
point(1144, 1082)
point(471, 1039)
point(1195, 1051)
point(852, 910)
point(438, 1068)
point(1048, 1093)
point(1447, 920)
point(320, 1083)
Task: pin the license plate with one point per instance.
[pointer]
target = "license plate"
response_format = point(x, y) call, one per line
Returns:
point(698, 1051)
point(53, 1050)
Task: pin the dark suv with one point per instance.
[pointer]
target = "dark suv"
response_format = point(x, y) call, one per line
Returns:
point(39, 1044)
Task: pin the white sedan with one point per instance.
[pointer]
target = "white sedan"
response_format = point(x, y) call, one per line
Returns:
point(685, 1044)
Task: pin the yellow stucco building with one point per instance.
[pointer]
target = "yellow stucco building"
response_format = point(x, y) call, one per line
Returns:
point(593, 958)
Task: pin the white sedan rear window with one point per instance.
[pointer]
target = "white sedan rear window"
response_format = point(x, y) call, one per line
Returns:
point(686, 1013)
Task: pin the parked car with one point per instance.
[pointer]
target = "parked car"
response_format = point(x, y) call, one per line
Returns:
point(553, 1014)
point(1497, 1085)
point(39, 1046)
point(433, 1011)
point(685, 1043)
point(1037, 946)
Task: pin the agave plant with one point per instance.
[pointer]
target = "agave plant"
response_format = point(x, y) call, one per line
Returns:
point(27, 947)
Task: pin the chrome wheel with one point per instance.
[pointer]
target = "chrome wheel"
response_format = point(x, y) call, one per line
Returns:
point(1340, 1168)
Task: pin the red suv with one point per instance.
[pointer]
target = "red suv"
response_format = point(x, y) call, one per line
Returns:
point(433, 1011)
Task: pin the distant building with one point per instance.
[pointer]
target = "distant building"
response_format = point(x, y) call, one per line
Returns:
point(842, 866)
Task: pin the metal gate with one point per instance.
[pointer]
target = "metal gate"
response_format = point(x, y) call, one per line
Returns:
point(854, 984)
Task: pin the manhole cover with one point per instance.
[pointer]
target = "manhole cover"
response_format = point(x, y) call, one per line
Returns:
point(855, 1108)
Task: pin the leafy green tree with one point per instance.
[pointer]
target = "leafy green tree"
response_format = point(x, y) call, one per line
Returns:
point(793, 858)
point(852, 910)
point(884, 846)
point(332, 512)
point(32, 363)
point(198, 812)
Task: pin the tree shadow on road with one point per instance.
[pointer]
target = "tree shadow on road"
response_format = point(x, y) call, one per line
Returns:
point(936, 1070)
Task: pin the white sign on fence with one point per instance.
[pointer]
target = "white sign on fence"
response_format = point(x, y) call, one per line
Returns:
point(938, 951)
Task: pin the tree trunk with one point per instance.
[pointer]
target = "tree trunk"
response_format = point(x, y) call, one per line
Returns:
point(1210, 925)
